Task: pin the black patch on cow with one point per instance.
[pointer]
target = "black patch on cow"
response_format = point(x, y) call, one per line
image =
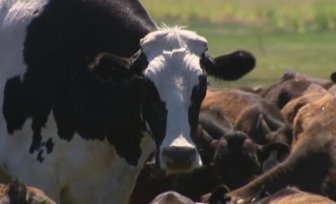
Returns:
point(197, 96)
point(15, 106)
point(36, 144)
point(154, 112)
point(41, 147)
point(60, 45)
point(40, 157)
point(49, 145)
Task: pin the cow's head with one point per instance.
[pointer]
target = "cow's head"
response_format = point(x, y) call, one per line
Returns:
point(172, 65)
point(237, 159)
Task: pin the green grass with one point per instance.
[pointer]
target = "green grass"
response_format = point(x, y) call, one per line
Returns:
point(311, 53)
point(298, 15)
point(282, 34)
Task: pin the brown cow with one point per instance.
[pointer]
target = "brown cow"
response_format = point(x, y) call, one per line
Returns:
point(237, 159)
point(312, 93)
point(294, 196)
point(311, 165)
point(290, 195)
point(250, 113)
point(291, 85)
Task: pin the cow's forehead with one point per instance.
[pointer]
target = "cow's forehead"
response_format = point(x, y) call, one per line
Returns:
point(173, 72)
point(174, 57)
point(170, 39)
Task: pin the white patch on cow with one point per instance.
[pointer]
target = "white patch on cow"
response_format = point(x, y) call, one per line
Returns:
point(14, 21)
point(175, 71)
point(78, 171)
point(13, 24)
point(172, 39)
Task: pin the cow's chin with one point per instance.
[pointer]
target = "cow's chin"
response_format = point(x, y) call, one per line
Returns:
point(179, 169)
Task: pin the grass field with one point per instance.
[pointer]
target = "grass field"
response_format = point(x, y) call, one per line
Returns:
point(310, 53)
point(282, 34)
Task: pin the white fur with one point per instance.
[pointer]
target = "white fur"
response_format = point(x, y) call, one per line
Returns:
point(79, 171)
point(172, 39)
point(175, 71)
point(14, 21)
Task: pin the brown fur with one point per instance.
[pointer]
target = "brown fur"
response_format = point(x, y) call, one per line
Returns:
point(291, 85)
point(258, 118)
point(302, 198)
point(295, 196)
point(230, 99)
point(311, 165)
point(318, 115)
point(292, 107)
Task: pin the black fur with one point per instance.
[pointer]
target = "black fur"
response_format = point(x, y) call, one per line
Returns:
point(154, 111)
point(231, 66)
point(197, 97)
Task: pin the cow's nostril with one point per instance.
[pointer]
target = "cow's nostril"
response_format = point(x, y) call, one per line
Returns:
point(179, 157)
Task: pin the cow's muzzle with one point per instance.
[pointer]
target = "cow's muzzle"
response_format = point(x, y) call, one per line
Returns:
point(179, 159)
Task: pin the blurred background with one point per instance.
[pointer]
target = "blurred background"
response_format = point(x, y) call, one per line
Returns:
point(283, 34)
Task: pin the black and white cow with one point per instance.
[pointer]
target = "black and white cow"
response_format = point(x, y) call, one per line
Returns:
point(90, 88)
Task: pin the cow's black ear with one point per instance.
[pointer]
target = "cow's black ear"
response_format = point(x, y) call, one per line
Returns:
point(204, 136)
point(108, 67)
point(262, 125)
point(229, 67)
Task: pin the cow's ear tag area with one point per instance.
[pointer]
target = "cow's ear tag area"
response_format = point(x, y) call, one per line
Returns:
point(109, 67)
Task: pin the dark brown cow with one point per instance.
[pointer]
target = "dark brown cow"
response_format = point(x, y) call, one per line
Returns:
point(311, 165)
point(236, 159)
point(250, 113)
point(291, 85)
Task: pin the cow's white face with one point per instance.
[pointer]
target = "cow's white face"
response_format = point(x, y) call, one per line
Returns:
point(177, 85)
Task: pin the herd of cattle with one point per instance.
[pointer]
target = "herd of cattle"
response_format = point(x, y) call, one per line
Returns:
point(268, 145)
point(100, 105)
